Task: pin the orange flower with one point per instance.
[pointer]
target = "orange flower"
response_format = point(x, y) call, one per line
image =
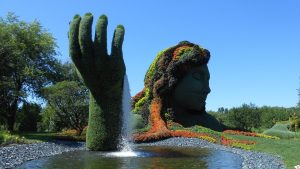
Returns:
point(236, 132)
point(228, 141)
point(179, 51)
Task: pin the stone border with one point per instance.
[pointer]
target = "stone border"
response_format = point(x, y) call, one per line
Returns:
point(13, 155)
point(251, 159)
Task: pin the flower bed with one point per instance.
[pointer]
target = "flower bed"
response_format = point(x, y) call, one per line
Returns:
point(188, 134)
point(236, 132)
point(244, 144)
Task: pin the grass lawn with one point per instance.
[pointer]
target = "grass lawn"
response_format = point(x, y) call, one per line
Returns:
point(288, 149)
point(46, 136)
point(33, 137)
point(6, 138)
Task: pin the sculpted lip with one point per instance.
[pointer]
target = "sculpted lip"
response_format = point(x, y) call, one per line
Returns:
point(202, 95)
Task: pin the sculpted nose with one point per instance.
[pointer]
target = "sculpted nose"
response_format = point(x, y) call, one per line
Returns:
point(206, 90)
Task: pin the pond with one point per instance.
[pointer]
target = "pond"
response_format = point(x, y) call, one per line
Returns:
point(144, 157)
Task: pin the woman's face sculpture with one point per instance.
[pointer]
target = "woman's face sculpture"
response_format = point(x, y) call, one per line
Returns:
point(193, 88)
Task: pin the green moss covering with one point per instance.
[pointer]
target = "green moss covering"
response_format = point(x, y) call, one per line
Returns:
point(103, 74)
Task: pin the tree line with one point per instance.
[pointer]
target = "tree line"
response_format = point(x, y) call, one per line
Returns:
point(250, 117)
point(37, 91)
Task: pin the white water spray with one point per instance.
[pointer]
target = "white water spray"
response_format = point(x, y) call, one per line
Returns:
point(126, 132)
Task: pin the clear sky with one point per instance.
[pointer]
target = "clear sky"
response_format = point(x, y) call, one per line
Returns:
point(254, 44)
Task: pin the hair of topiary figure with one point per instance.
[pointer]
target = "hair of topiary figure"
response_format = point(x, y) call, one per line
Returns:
point(176, 87)
point(103, 74)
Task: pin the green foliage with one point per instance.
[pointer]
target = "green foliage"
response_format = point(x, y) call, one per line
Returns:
point(33, 137)
point(140, 103)
point(243, 146)
point(176, 126)
point(29, 116)
point(137, 121)
point(245, 117)
point(50, 121)
point(7, 138)
point(282, 131)
point(152, 67)
point(271, 115)
point(27, 63)
point(221, 117)
point(103, 75)
point(294, 121)
point(169, 116)
point(142, 130)
point(202, 129)
point(69, 103)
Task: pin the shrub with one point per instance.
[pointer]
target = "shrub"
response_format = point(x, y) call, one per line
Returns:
point(7, 138)
point(281, 131)
point(201, 129)
point(245, 117)
point(174, 126)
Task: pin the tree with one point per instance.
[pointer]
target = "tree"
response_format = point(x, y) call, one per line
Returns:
point(50, 121)
point(271, 115)
point(245, 117)
point(62, 96)
point(69, 102)
point(221, 110)
point(29, 116)
point(27, 64)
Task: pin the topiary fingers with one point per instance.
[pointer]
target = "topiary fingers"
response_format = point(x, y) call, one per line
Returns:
point(100, 44)
point(103, 76)
point(116, 49)
point(74, 47)
point(85, 39)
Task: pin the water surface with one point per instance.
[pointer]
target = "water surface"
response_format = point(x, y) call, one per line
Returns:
point(151, 157)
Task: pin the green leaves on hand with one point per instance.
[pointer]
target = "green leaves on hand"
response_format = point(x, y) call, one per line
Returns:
point(91, 57)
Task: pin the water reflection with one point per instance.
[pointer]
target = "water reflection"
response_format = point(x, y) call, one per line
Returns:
point(148, 158)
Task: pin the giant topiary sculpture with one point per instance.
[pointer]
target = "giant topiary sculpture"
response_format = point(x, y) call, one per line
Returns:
point(103, 74)
point(176, 87)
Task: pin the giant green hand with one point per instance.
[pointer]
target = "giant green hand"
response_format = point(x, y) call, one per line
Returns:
point(103, 74)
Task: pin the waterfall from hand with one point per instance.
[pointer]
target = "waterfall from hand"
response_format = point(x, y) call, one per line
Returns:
point(126, 120)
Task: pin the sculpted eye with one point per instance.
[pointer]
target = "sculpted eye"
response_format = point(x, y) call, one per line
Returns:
point(197, 75)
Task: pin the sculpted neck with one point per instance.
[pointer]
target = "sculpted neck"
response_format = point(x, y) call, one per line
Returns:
point(188, 117)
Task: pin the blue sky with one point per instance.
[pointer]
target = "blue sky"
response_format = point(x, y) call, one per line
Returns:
point(254, 44)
